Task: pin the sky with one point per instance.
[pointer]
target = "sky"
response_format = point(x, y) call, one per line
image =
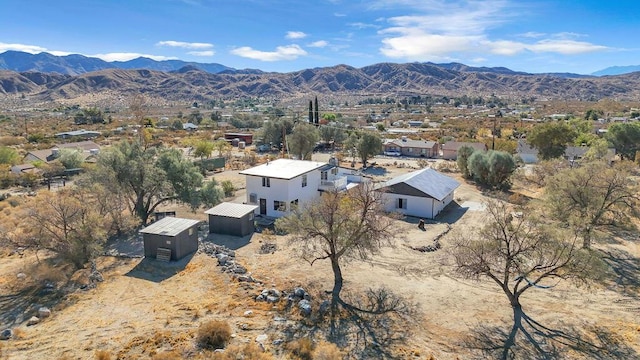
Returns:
point(536, 36)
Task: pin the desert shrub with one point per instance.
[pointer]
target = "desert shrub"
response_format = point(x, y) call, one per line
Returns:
point(166, 355)
point(103, 355)
point(11, 140)
point(327, 351)
point(245, 351)
point(214, 334)
point(228, 188)
point(301, 348)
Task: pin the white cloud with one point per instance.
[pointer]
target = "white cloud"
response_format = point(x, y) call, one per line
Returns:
point(129, 56)
point(185, 45)
point(339, 14)
point(202, 53)
point(361, 25)
point(439, 29)
point(33, 49)
point(288, 52)
point(319, 44)
point(295, 35)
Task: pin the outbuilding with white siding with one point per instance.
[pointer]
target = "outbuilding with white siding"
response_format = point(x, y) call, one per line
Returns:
point(423, 193)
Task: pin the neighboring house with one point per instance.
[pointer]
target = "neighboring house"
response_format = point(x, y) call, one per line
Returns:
point(423, 193)
point(409, 147)
point(280, 185)
point(231, 219)
point(526, 152)
point(449, 150)
point(80, 134)
point(170, 238)
point(24, 169)
point(89, 150)
point(246, 137)
point(189, 126)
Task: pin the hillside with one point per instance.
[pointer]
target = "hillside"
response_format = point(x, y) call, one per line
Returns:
point(191, 83)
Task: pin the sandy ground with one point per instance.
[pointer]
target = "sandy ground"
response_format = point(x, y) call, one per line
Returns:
point(139, 298)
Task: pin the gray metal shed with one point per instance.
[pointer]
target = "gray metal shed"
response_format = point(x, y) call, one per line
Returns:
point(179, 236)
point(231, 219)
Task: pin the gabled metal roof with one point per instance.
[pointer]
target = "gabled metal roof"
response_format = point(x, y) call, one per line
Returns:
point(169, 226)
point(426, 181)
point(283, 168)
point(231, 210)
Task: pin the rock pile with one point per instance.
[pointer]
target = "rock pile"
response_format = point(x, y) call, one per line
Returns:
point(298, 297)
point(227, 261)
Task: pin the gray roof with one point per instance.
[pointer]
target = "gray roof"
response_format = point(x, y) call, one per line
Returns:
point(422, 144)
point(169, 226)
point(81, 132)
point(232, 210)
point(283, 168)
point(456, 145)
point(427, 182)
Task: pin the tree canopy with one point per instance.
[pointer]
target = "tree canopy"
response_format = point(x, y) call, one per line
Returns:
point(592, 195)
point(148, 177)
point(302, 141)
point(8, 156)
point(551, 139)
point(369, 144)
point(625, 138)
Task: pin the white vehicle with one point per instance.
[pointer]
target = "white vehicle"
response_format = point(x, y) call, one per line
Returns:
point(392, 153)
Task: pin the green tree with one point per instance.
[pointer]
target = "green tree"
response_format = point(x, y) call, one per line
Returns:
point(625, 138)
point(222, 146)
point(302, 141)
point(518, 254)
point(148, 177)
point(551, 139)
point(70, 158)
point(203, 149)
point(332, 133)
point(463, 159)
point(491, 168)
point(369, 145)
point(329, 116)
point(211, 194)
point(8, 156)
point(593, 195)
point(228, 188)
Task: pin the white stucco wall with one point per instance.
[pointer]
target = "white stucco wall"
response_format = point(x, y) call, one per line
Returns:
point(283, 190)
point(427, 208)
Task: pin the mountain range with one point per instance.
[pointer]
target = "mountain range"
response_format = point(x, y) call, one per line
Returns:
point(193, 83)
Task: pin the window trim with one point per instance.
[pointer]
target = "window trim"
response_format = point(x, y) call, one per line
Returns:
point(266, 181)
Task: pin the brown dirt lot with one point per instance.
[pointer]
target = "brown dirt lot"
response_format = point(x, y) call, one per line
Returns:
point(141, 303)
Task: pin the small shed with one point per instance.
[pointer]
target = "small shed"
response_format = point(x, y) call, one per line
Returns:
point(170, 236)
point(231, 219)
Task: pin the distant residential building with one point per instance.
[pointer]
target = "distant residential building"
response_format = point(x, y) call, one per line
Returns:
point(189, 126)
point(449, 150)
point(410, 147)
point(78, 134)
point(88, 149)
point(246, 137)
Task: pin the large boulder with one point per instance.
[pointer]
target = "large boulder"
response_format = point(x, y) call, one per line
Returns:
point(44, 312)
point(6, 334)
point(33, 321)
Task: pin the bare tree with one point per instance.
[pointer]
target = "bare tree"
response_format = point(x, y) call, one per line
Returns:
point(519, 253)
point(340, 226)
point(593, 195)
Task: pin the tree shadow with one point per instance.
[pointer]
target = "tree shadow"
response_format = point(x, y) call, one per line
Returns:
point(626, 269)
point(533, 340)
point(368, 325)
point(157, 271)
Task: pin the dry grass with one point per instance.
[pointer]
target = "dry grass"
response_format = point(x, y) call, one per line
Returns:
point(249, 351)
point(214, 334)
point(301, 348)
point(103, 355)
point(327, 351)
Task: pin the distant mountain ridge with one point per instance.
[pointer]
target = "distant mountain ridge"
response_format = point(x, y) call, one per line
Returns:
point(384, 79)
point(79, 64)
point(617, 70)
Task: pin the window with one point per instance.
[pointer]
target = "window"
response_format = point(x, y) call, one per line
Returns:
point(266, 182)
point(190, 231)
point(250, 216)
point(279, 205)
point(293, 204)
point(304, 180)
point(334, 171)
point(323, 176)
point(409, 149)
point(253, 198)
point(401, 203)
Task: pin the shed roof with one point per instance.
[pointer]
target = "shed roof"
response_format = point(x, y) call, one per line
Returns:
point(456, 145)
point(422, 144)
point(426, 181)
point(232, 210)
point(169, 226)
point(283, 168)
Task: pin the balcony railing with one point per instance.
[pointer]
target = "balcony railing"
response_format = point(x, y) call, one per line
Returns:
point(336, 184)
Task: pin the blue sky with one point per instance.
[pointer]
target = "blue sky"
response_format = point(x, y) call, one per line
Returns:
point(580, 36)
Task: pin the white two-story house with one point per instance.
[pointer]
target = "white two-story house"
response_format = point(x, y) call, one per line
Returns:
point(279, 185)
